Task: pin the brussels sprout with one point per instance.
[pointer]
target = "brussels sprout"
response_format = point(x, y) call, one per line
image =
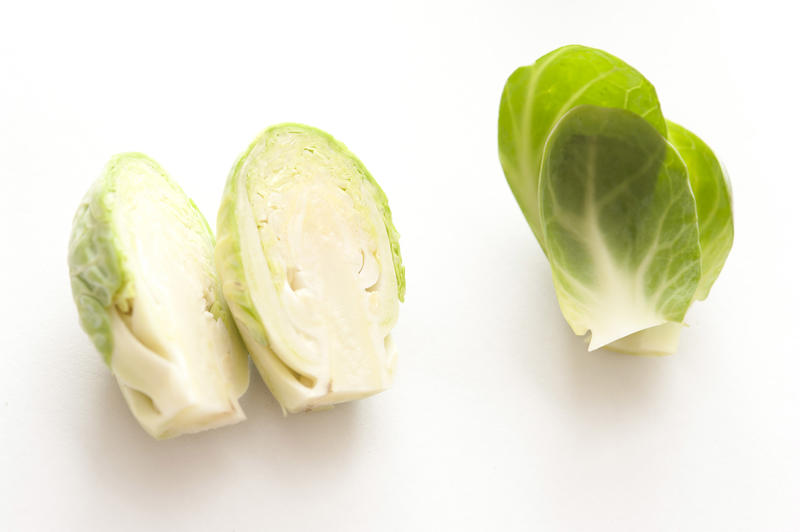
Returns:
point(633, 212)
point(143, 278)
point(311, 268)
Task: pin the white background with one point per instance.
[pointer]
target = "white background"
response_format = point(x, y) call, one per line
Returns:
point(499, 419)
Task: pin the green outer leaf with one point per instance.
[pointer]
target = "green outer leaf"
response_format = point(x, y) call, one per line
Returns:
point(619, 223)
point(712, 193)
point(535, 97)
point(96, 264)
point(228, 258)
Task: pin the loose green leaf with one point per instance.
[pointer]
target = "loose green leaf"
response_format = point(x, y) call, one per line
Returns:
point(537, 96)
point(712, 193)
point(619, 223)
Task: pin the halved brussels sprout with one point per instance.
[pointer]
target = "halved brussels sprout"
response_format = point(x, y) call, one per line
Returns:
point(143, 278)
point(311, 268)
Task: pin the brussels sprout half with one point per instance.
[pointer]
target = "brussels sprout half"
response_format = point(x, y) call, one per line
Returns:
point(311, 268)
point(143, 278)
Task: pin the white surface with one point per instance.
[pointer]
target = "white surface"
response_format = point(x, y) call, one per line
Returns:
point(499, 419)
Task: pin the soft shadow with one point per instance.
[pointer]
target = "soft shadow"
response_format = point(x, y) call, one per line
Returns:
point(589, 386)
point(287, 450)
point(604, 381)
point(307, 440)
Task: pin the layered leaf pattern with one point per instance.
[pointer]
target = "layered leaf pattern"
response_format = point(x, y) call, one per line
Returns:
point(537, 96)
point(633, 212)
point(311, 267)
